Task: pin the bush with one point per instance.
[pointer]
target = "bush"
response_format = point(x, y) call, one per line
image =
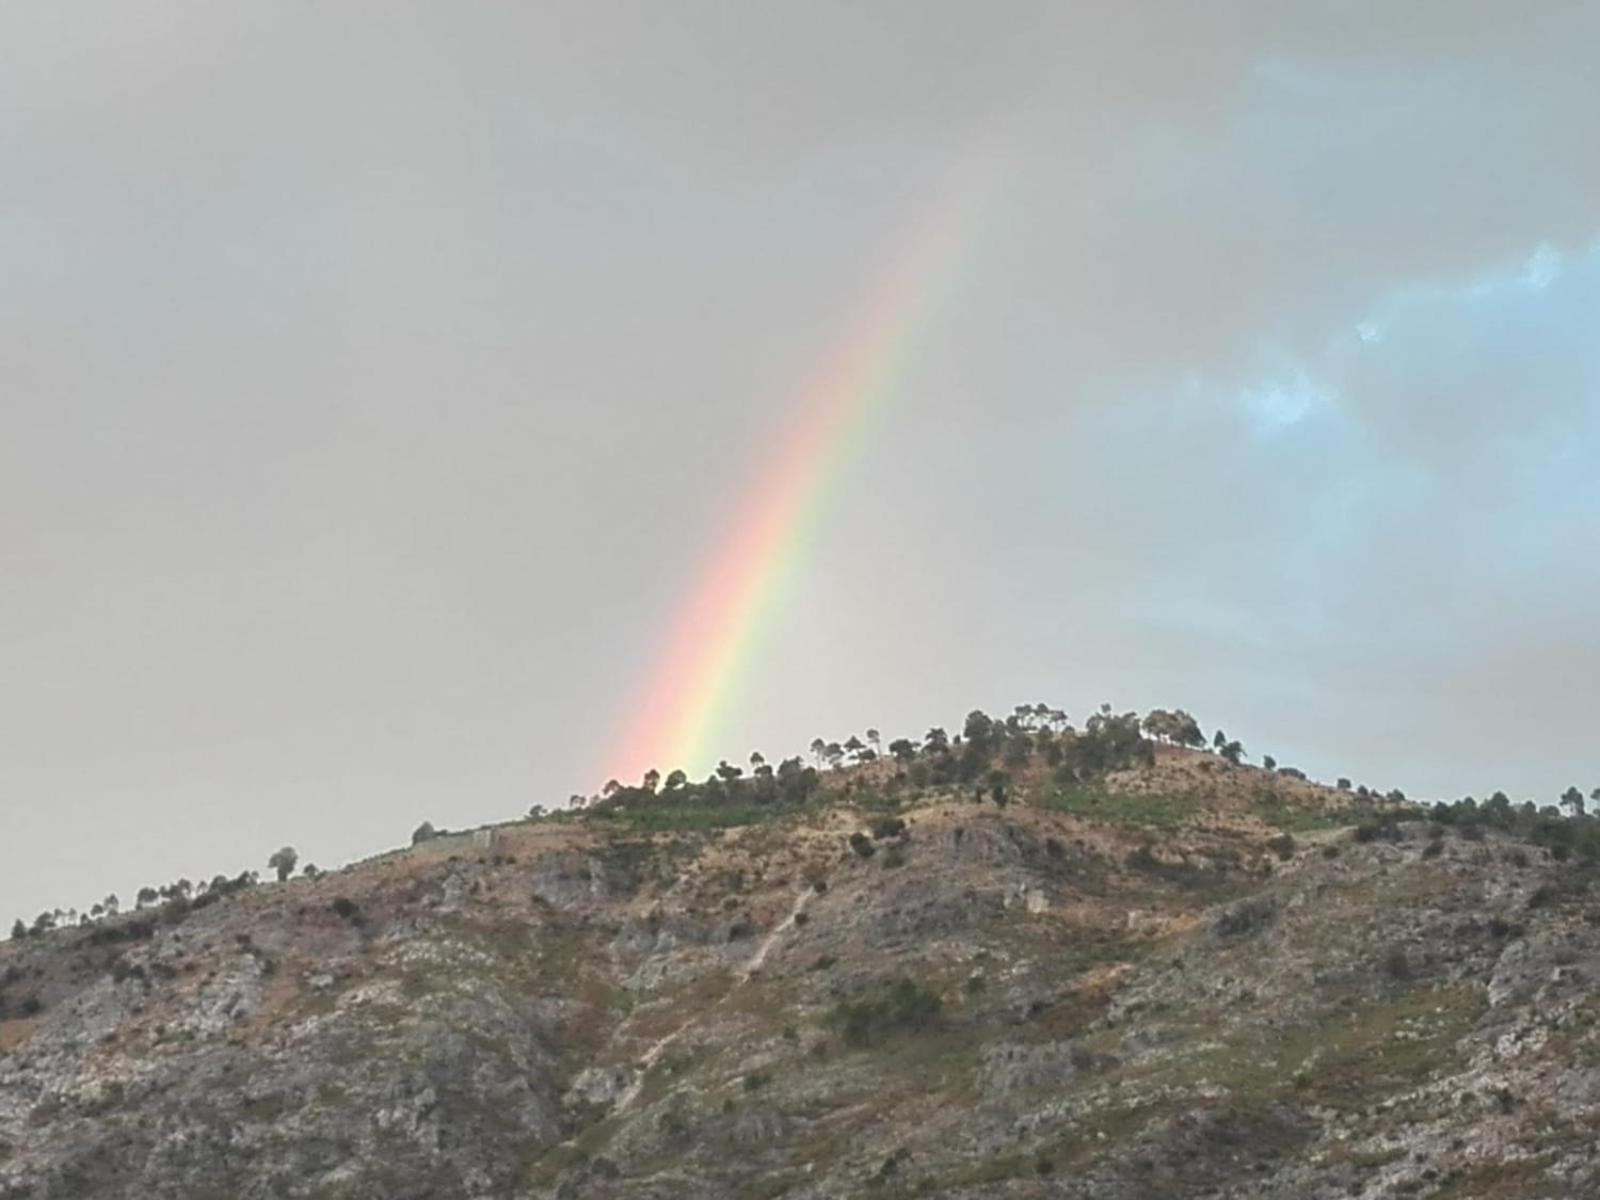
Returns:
point(901, 1006)
point(423, 833)
point(1396, 965)
point(1380, 829)
point(346, 908)
point(1543, 896)
point(1282, 846)
point(1243, 918)
point(134, 929)
point(1142, 859)
point(888, 827)
point(862, 845)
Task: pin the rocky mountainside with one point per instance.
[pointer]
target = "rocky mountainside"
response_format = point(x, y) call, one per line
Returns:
point(1172, 976)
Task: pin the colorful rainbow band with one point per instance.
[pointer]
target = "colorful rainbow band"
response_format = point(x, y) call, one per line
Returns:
point(713, 645)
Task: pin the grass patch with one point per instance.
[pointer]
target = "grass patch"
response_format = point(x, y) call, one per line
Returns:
point(1496, 1181)
point(1282, 814)
point(1149, 810)
point(1353, 1058)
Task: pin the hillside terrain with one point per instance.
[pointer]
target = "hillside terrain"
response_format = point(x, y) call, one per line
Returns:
point(1032, 962)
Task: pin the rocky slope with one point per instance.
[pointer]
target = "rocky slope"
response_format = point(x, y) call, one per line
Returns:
point(1192, 979)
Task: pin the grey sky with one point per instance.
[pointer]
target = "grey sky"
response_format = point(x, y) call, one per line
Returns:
point(374, 378)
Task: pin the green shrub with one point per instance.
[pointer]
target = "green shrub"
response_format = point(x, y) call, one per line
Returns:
point(1246, 917)
point(1381, 829)
point(900, 1006)
point(1142, 859)
point(1396, 964)
point(888, 827)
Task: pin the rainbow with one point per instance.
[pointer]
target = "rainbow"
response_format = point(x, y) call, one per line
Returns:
point(713, 644)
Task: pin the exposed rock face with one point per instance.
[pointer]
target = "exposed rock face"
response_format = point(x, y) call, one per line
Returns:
point(1010, 1002)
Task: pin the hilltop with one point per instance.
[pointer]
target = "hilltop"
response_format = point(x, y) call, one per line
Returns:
point(1029, 961)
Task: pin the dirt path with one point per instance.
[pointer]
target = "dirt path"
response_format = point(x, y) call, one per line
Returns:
point(753, 964)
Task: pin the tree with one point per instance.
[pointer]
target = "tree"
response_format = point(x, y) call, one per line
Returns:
point(652, 779)
point(1177, 727)
point(1188, 731)
point(727, 772)
point(1218, 741)
point(819, 750)
point(903, 749)
point(147, 895)
point(854, 747)
point(757, 761)
point(876, 739)
point(1232, 751)
point(423, 833)
point(1165, 726)
point(283, 861)
point(936, 741)
point(675, 780)
point(997, 788)
point(611, 788)
point(18, 930)
point(978, 731)
point(1572, 801)
point(112, 904)
point(1269, 762)
point(834, 754)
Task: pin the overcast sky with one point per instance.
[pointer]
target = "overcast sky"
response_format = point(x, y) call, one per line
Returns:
point(376, 378)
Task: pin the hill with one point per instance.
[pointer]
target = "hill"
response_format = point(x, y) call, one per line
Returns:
point(1027, 962)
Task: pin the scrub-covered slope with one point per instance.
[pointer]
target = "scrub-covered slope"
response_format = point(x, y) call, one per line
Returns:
point(1061, 964)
